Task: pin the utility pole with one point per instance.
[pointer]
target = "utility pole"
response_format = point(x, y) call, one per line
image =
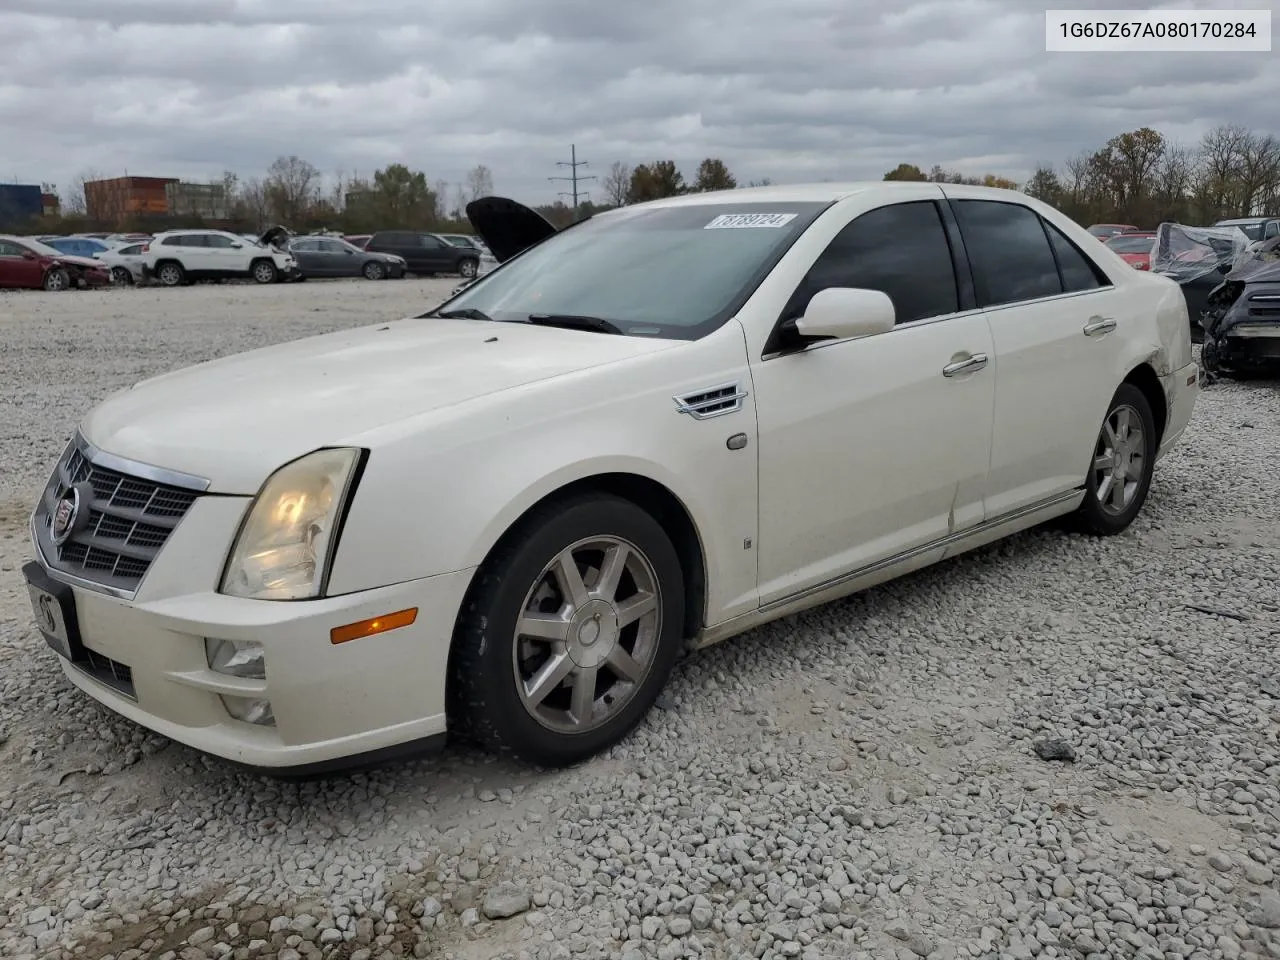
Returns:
point(574, 177)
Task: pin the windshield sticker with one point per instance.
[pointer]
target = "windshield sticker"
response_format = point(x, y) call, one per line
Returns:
point(732, 221)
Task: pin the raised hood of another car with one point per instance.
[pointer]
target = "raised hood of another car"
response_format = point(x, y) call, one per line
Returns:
point(506, 226)
point(235, 420)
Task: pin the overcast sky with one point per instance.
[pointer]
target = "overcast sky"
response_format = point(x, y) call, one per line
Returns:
point(788, 89)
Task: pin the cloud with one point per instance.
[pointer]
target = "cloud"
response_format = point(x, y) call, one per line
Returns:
point(803, 90)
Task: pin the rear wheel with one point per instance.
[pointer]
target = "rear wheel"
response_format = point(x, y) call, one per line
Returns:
point(373, 270)
point(264, 271)
point(1122, 465)
point(568, 632)
point(171, 274)
point(57, 279)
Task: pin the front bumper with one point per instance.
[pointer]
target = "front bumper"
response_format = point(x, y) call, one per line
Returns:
point(1250, 344)
point(291, 272)
point(335, 706)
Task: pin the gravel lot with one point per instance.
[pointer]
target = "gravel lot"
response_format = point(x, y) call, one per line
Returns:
point(858, 782)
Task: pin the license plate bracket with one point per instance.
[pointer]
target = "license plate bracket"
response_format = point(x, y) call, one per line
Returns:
point(53, 606)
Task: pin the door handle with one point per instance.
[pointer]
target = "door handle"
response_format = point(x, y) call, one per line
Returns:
point(1098, 325)
point(974, 363)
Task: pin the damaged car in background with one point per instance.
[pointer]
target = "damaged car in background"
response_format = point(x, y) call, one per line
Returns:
point(27, 263)
point(1241, 320)
point(1197, 258)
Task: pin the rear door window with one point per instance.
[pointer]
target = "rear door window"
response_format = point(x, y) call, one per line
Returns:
point(1011, 256)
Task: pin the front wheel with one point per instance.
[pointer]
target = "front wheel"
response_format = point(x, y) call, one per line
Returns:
point(468, 268)
point(374, 270)
point(1122, 465)
point(568, 632)
point(121, 277)
point(264, 271)
point(57, 279)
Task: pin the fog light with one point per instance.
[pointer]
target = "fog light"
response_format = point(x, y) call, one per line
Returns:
point(236, 658)
point(250, 710)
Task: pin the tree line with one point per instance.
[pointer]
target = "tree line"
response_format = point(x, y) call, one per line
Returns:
point(1139, 177)
point(1143, 178)
point(296, 193)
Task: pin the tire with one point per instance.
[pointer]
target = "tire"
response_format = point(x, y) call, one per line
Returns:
point(264, 271)
point(373, 270)
point(171, 274)
point(490, 657)
point(121, 277)
point(1109, 512)
point(468, 268)
point(57, 279)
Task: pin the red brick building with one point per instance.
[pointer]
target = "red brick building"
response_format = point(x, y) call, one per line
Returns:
point(118, 199)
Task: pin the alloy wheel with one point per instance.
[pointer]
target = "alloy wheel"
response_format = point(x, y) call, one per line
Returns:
point(1119, 459)
point(587, 635)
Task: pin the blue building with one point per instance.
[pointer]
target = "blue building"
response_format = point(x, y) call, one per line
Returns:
point(20, 204)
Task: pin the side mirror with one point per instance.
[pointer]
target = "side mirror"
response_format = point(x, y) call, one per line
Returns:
point(28, 255)
point(236, 246)
point(845, 313)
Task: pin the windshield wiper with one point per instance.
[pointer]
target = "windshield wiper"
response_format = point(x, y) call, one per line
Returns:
point(465, 313)
point(574, 322)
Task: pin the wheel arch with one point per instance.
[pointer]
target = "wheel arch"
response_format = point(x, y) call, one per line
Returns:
point(1144, 377)
point(656, 499)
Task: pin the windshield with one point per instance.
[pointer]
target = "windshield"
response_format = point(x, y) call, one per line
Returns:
point(1251, 230)
point(677, 271)
point(1123, 244)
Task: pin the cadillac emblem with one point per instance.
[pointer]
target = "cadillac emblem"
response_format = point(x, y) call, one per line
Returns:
point(65, 515)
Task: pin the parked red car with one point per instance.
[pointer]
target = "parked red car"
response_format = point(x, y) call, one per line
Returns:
point(29, 264)
point(1105, 231)
point(1134, 248)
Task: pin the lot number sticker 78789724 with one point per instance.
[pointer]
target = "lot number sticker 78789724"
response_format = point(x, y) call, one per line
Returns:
point(730, 221)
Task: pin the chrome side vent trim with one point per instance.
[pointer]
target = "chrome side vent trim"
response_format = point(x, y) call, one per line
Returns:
point(711, 402)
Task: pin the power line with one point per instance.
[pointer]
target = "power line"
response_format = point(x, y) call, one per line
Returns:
point(574, 177)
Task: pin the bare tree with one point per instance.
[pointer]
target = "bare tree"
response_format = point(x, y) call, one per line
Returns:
point(1259, 173)
point(460, 200)
point(440, 199)
point(76, 201)
point(254, 202)
point(479, 182)
point(292, 186)
point(616, 184)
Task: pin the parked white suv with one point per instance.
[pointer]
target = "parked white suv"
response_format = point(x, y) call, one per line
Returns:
point(176, 257)
point(656, 429)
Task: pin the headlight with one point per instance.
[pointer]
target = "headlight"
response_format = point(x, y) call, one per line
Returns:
point(284, 547)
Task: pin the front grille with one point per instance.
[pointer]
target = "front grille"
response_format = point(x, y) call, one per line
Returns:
point(129, 521)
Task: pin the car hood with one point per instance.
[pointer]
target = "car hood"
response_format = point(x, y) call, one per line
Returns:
point(75, 261)
point(507, 227)
point(235, 420)
point(274, 235)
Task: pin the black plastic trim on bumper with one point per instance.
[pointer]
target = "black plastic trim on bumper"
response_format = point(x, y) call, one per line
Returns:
point(354, 764)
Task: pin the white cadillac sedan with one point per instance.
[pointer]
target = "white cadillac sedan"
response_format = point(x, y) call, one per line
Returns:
point(645, 433)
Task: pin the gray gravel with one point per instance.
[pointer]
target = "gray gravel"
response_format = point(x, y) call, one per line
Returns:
point(864, 781)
